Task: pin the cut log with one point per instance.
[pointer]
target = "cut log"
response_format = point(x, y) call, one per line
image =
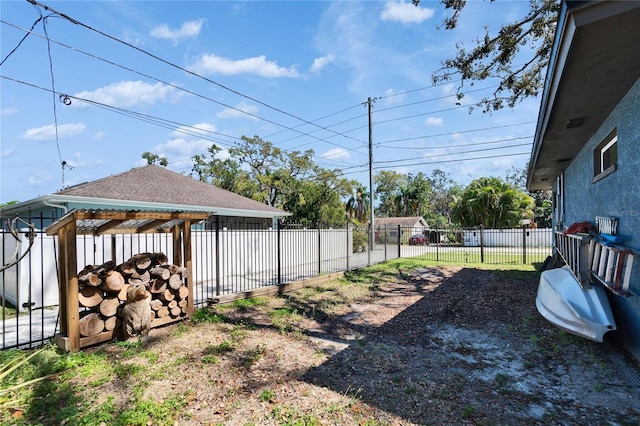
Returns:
point(182, 292)
point(92, 279)
point(183, 303)
point(142, 261)
point(141, 275)
point(122, 294)
point(180, 270)
point(172, 304)
point(113, 281)
point(109, 265)
point(159, 259)
point(109, 306)
point(166, 295)
point(90, 323)
point(126, 268)
point(90, 296)
point(111, 323)
point(174, 312)
point(160, 272)
point(162, 312)
point(137, 281)
point(175, 281)
point(156, 304)
point(157, 286)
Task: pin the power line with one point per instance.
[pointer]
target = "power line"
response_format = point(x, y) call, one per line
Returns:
point(457, 159)
point(455, 133)
point(455, 153)
point(171, 64)
point(415, 148)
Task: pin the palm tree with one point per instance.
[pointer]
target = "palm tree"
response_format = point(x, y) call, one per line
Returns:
point(491, 202)
point(358, 205)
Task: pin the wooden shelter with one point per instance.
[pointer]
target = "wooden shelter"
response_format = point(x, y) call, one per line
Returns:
point(113, 222)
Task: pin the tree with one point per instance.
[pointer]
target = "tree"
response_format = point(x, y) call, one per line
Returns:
point(493, 203)
point(318, 201)
point(155, 159)
point(224, 173)
point(357, 207)
point(495, 55)
point(442, 191)
point(289, 180)
point(388, 184)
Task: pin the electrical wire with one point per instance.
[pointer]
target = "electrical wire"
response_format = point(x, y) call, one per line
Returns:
point(171, 64)
point(25, 36)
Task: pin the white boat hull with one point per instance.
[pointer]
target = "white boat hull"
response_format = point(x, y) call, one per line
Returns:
point(583, 311)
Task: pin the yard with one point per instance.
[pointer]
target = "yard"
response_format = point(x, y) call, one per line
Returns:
point(401, 343)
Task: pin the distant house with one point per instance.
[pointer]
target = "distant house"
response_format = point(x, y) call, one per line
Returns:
point(150, 188)
point(407, 226)
point(587, 141)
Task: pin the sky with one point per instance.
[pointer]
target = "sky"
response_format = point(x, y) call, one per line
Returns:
point(83, 98)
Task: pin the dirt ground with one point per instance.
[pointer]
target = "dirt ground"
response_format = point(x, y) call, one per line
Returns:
point(444, 345)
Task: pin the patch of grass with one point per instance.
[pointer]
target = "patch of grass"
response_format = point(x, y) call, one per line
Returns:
point(209, 316)
point(126, 370)
point(144, 412)
point(180, 329)
point(250, 302)
point(290, 416)
point(599, 387)
point(210, 359)
point(253, 355)
point(267, 395)
point(220, 349)
point(468, 411)
point(502, 379)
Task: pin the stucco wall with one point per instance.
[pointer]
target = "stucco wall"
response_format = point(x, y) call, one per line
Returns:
point(616, 195)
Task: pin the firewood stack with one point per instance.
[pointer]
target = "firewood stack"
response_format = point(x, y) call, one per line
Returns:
point(103, 290)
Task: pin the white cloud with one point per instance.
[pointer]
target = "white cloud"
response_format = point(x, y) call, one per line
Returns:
point(186, 142)
point(99, 135)
point(128, 93)
point(320, 63)
point(5, 112)
point(238, 112)
point(405, 13)
point(7, 152)
point(259, 65)
point(336, 154)
point(189, 29)
point(393, 97)
point(434, 121)
point(49, 131)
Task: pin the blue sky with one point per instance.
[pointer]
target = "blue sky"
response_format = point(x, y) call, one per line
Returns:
point(174, 77)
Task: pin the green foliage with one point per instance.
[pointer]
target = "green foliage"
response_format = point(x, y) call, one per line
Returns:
point(155, 159)
point(492, 203)
point(267, 395)
point(520, 74)
point(257, 169)
point(207, 315)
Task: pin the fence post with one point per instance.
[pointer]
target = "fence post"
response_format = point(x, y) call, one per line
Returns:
point(279, 260)
point(399, 236)
point(524, 245)
point(319, 251)
point(347, 234)
point(370, 245)
point(217, 265)
point(384, 238)
point(481, 244)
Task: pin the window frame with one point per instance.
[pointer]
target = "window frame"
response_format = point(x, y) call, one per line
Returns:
point(603, 166)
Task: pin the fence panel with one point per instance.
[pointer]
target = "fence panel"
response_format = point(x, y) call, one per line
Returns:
point(228, 261)
point(478, 245)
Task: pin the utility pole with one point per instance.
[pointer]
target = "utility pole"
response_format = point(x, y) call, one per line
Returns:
point(370, 102)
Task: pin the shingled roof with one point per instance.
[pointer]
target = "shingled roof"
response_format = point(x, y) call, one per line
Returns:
point(403, 221)
point(155, 184)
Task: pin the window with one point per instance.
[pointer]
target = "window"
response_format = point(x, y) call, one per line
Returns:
point(605, 156)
